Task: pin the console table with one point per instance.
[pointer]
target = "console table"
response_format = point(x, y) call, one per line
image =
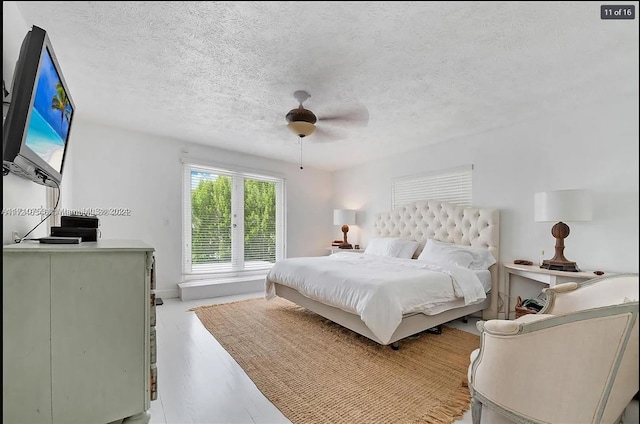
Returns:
point(545, 276)
point(334, 249)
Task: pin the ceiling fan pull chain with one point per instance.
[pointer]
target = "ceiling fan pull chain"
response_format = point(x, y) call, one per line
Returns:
point(301, 153)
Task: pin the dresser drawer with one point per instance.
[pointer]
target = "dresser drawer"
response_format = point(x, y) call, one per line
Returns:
point(152, 309)
point(153, 392)
point(152, 283)
point(152, 345)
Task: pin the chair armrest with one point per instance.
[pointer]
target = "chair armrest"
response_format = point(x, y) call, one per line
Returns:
point(509, 327)
point(561, 288)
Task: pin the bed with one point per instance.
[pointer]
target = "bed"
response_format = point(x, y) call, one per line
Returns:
point(311, 282)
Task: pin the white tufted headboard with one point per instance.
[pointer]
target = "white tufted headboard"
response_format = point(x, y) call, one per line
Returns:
point(441, 221)
point(419, 221)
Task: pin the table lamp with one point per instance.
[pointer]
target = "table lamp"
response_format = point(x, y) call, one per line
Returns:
point(560, 206)
point(344, 217)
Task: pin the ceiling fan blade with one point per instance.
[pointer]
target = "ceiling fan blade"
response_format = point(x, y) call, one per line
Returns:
point(323, 135)
point(358, 116)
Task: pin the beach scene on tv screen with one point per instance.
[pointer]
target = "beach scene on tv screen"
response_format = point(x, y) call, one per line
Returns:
point(50, 116)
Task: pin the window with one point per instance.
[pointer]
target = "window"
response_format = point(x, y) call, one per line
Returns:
point(233, 221)
point(452, 185)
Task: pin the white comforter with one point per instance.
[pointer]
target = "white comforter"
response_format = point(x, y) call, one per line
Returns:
point(378, 289)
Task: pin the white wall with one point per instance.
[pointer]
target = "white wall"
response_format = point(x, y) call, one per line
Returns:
point(106, 167)
point(594, 146)
point(125, 169)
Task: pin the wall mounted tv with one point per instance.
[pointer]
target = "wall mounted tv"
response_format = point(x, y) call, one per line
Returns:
point(36, 129)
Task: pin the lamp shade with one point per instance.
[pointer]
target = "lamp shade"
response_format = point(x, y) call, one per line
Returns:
point(344, 217)
point(563, 205)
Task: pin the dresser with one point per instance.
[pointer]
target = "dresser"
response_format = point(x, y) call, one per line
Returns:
point(78, 336)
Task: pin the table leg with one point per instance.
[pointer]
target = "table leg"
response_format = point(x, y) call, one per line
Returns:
point(507, 289)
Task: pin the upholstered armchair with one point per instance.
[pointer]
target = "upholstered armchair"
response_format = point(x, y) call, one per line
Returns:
point(575, 362)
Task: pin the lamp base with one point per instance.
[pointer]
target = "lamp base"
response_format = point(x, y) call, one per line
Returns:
point(346, 246)
point(559, 266)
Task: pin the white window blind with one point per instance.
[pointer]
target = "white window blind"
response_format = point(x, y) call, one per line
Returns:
point(233, 221)
point(452, 185)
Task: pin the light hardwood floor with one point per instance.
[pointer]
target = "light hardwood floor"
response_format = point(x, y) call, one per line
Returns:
point(199, 382)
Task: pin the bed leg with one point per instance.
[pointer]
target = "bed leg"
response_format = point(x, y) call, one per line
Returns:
point(435, 330)
point(465, 319)
point(395, 345)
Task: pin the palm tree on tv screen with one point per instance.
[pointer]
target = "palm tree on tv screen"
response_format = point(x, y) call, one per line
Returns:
point(61, 102)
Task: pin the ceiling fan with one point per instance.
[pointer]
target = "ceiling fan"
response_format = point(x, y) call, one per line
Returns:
point(302, 121)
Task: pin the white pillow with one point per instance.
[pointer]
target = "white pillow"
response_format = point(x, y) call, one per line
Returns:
point(439, 253)
point(408, 249)
point(385, 246)
point(482, 258)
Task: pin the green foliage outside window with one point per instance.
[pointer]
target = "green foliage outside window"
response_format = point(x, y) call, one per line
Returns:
point(259, 221)
point(211, 221)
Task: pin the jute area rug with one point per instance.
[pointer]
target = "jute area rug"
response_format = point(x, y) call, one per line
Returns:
point(316, 371)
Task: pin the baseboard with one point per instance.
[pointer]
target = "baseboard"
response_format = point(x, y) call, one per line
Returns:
point(167, 293)
point(204, 289)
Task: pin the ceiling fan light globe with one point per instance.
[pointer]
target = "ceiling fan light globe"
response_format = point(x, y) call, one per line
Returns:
point(301, 128)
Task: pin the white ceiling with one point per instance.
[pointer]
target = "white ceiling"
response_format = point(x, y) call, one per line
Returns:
point(224, 73)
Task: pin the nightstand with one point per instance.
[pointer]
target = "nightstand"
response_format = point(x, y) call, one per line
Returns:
point(545, 276)
point(335, 249)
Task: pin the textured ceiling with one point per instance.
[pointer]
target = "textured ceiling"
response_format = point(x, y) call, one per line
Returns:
point(224, 73)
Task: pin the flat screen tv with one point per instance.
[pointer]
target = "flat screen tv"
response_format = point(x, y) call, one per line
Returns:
point(36, 129)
